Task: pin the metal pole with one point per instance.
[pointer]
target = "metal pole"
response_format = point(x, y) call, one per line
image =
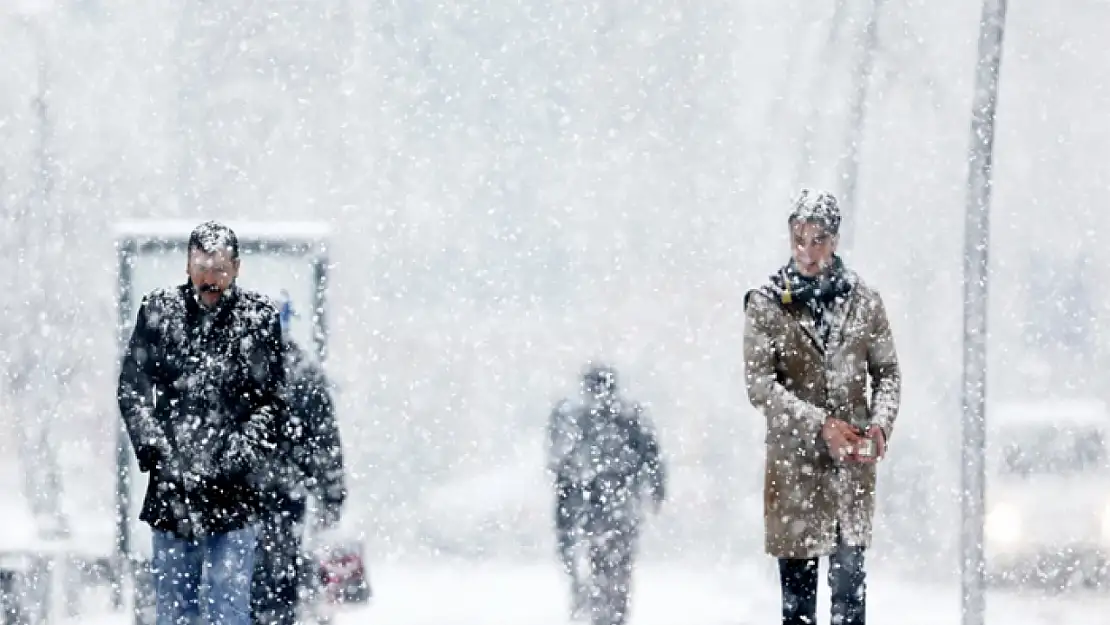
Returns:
point(123, 571)
point(813, 118)
point(976, 241)
point(864, 69)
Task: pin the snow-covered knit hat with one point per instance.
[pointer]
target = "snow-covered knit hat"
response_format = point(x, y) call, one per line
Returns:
point(818, 207)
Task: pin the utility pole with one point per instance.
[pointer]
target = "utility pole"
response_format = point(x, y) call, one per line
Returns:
point(850, 174)
point(804, 169)
point(976, 273)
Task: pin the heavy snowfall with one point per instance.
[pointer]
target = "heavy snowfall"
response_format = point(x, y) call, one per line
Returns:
point(503, 191)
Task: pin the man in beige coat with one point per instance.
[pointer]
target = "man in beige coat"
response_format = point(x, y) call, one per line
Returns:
point(815, 336)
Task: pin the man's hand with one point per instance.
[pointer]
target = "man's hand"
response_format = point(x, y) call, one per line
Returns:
point(149, 457)
point(175, 476)
point(875, 433)
point(329, 515)
point(239, 456)
point(840, 436)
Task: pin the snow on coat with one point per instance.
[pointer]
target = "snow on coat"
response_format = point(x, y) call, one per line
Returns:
point(202, 396)
point(795, 381)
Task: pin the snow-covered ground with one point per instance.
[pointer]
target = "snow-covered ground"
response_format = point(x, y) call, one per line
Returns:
point(507, 594)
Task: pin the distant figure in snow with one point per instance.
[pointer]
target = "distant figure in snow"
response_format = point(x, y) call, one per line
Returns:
point(820, 365)
point(603, 454)
point(311, 465)
point(202, 394)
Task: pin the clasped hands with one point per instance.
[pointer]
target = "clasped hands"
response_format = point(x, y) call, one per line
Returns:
point(844, 438)
point(171, 471)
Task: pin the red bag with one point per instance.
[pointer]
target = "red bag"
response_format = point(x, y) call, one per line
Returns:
point(342, 574)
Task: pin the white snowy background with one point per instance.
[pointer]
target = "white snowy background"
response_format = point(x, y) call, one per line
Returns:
point(518, 186)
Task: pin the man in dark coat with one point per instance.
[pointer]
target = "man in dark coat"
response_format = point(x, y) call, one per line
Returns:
point(603, 454)
point(311, 464)
point(201, 392)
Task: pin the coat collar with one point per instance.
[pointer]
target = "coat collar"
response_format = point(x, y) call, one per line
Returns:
point(839, 313)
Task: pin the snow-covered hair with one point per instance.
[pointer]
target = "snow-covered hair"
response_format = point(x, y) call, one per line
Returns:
point(212, 236)
point(816, 206)
point(598, 377)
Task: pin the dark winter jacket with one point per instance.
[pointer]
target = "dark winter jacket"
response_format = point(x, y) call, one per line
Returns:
point(606, 449)
point(202, 395)
point(310, 452)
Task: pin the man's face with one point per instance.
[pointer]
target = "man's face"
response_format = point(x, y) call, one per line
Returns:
point(811, 246)
point(597, 392)
point(211, 274)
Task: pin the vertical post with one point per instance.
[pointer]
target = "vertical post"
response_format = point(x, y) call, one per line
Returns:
point(976, 242)
point(319, 305)
point(864, 69)
point(122, 571)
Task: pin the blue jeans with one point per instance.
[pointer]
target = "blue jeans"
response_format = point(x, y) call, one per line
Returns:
point(220, 565)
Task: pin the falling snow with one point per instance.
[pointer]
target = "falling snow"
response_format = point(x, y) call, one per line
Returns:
point(450, 207)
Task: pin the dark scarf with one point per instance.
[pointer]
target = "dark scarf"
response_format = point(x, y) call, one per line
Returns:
point(816, 293)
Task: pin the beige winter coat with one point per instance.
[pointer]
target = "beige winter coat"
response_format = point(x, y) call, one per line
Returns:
point(796, 383)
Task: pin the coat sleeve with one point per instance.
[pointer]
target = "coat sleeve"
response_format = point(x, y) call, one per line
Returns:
point(784, 411)
point(561, 435)
point(653, 467)
point(253, 443)
point(325, 450)
point(135, 395)
point(883, 368)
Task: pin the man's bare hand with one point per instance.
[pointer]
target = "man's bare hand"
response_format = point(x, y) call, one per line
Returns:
point(875, 433)
point(840, 436)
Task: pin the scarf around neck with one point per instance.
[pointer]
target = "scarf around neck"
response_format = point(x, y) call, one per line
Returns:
point(788, 285)
point(817, 293)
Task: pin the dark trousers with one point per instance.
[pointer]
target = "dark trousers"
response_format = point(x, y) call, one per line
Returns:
point(611, 562)
point(611, 543)
point(847, 586)
point(569, 513)
point(275, 586)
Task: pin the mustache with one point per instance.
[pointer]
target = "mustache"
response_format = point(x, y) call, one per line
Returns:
point(209, 288)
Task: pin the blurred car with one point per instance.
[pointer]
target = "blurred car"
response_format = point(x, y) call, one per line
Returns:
point(1048, 493)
